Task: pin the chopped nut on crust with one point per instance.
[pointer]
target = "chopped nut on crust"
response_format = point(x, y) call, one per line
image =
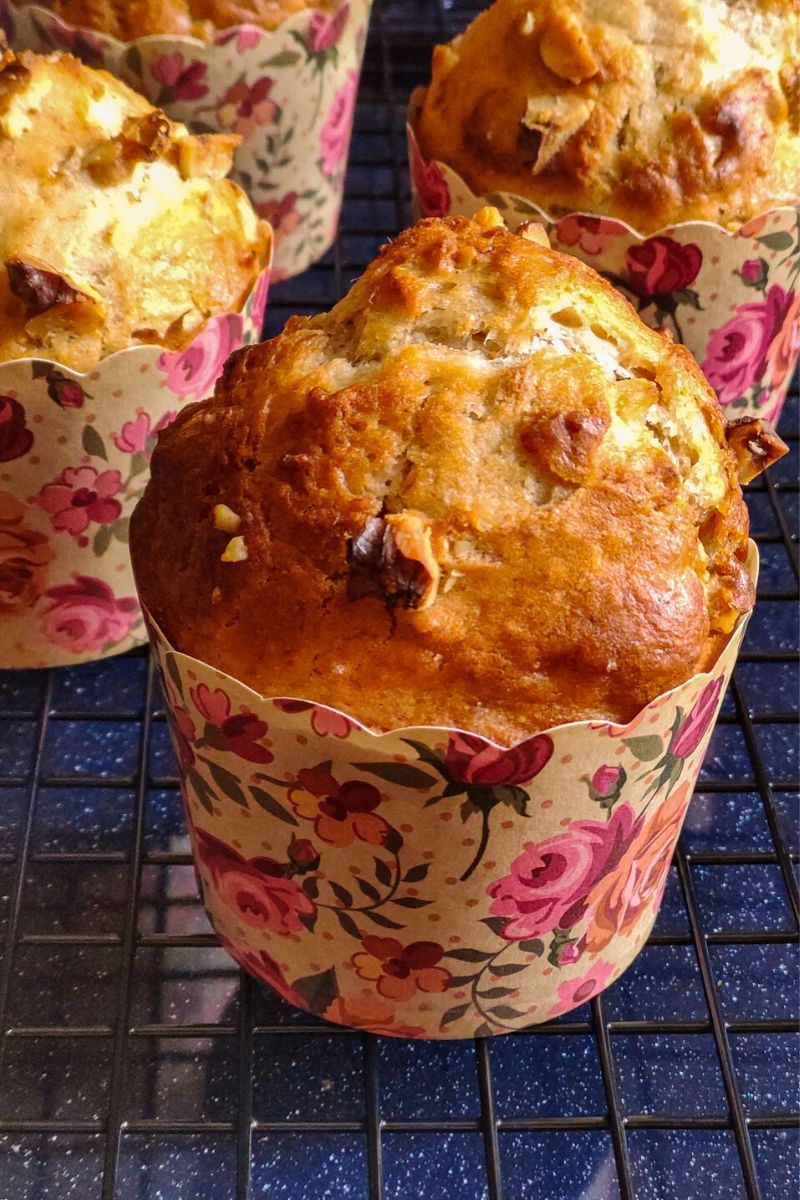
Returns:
point(40, 289)
point(235, 551)
point(225, 519)
point(392, 557)
point(755, 444)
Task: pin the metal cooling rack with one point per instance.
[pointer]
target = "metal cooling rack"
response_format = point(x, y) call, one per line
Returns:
point(137, 1064)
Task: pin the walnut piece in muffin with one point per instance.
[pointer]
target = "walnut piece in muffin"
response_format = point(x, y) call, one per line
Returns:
point(479, 492)
point(117, 227)
point(651, 111)
point(130, 19)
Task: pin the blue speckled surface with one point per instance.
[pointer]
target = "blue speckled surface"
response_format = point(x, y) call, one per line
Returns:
point(137, 1065)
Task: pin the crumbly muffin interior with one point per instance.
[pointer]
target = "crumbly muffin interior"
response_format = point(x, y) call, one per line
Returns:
point(117, 227)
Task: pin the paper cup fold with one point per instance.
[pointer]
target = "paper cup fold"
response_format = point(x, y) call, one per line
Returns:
point(74, 459)
point(733, 298)
point(425, 882)
point(289, 94)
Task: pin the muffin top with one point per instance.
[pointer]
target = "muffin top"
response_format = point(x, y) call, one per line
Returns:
point(129, 19)
point(117, 227)
point(652, 111)
point(479, 492)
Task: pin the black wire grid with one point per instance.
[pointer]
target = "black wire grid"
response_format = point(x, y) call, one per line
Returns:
point(137, 1063)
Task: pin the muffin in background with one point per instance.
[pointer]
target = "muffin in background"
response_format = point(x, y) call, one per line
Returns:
point(478, 493)
point(650, 111)
point(196, 18)
point(117, 227)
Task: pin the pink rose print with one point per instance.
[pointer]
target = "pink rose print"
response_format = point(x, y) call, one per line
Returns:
point(335, 135)
point(591, 234)
point(246, 36)
point(691, 732)
point(303, 855)
point(637, 881)
point(134, 435)
point(660, 264)
point(195, 370)
point(428, 182)
point(324, 721)
point(15, 437)
point(180, 80)
point(258, 890)
point(79, 496)
point(469, 759)
point(281, 214)
point(785, 348)
point(24, 557)
point(606, 784)
point(86, 615)
point(64, 391)
point(754, 272)
point(575, 992)
point(243, 109)
point(736, 353)
point(549, 882)
point(324, 32)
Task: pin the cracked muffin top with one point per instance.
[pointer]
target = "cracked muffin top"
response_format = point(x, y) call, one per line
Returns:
point(479, 492)
point(651, 111)
point(117, 227)
point(130, 19)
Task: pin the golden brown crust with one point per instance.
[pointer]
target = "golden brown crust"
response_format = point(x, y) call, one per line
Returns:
point(479, 492)
point(117, 227)
point(652, 111)
point(130, 19)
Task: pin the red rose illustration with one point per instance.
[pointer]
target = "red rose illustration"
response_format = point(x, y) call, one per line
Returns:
point(736, 353)
point(86, 615)
point(428, 182)
point(548, 883)
point(259, 890)
point(471, 760)
point(15, 437)
point(660, 264)
point(324, 32)
point(691, 732)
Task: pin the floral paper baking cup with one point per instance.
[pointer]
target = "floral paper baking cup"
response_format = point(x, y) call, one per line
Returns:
point(425, 882)
point(732, 298)
point(74, 458)
point(289, 94)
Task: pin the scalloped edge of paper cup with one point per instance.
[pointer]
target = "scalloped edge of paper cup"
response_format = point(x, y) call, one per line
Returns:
point(427, 882)
point(74, 460)
point(731, 296)
point(289, 93)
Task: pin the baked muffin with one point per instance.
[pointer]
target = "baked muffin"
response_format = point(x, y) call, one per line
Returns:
point(129, 19)
point(651, 111)
point(479, 492)
point(117, 227)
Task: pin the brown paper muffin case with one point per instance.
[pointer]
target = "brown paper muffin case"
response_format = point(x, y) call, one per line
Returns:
point(426, 882)
point(732, 298)
point(289, 94)
point(74, 458)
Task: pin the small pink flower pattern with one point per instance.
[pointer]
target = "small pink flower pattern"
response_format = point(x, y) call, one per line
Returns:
point(737, 352)
point(577, 991)
point(592, 235)
point(81, 496)
point(428, 182)
point(324, 32)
